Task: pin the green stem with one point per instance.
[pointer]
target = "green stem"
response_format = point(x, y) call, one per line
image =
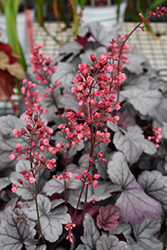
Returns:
point(65, 184)
point(91, 155)
point(53, 37)
point(36, 192)
point(39, 223)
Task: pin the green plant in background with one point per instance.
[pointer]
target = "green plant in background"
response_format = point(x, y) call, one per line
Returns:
point(134, 7)
point(40, 18)
point(76, 16)
point(58, 11)
point(141, 6)
point(10, 9)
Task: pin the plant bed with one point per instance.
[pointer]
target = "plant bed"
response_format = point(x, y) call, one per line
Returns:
point(84, 167)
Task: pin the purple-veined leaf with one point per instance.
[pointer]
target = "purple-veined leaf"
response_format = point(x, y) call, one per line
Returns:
point(80, 247)
point(107, 218)
point(53, 186)
point(71, 47)
point(65, 72)
point(52, 221)
point(105, 189)
point(111, 242)
point(134, 81)
point(8, 140)
point(160, 113)
point(42, 247)
point(143, 100)
point(125, 121)
point(158, 83)
point(133, 143)
point(125, 229)
point(164, 130)
point(70, 100)
point(112, 126)
point(49, 103)
point(101, 34)
point(4, 182)
point(16, 230)
point(91, 233)
point(145, 235)
point(133, 202)
point(155, 185)
point(136, 60)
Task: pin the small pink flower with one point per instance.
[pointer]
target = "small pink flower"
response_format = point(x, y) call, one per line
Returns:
point(31, 179)
point(16, 133)
point(100, 154)
point(49, 130)
point(14, 188)
point(12, 157)
point(20, 181)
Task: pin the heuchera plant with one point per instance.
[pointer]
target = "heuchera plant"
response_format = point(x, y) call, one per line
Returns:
point(86, 161)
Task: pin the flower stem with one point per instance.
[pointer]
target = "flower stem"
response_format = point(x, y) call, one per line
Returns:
point(39, 223)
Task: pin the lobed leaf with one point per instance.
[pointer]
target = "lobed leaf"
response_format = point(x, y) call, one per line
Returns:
point(111, 242)
point(65, 72)
point(108, 217)
point(132, 143)
point(145, 234)
point(4, 182)
point(91, 233)
point(7, 140)
point(143, 100)
point(133, 202)
point(16, 230)
point(51, 220)
point(155, 185)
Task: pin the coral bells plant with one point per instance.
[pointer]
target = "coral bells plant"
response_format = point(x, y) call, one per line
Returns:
point(84, 167)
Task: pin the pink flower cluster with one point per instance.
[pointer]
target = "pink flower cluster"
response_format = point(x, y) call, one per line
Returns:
point(43, 68)
point(69, 227)
point(156, 137)
point(36, 135)
point(87, 178)
point(32, 99)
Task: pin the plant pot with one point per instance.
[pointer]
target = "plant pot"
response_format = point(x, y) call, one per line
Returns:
point(106, 15)
point(22, 31)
